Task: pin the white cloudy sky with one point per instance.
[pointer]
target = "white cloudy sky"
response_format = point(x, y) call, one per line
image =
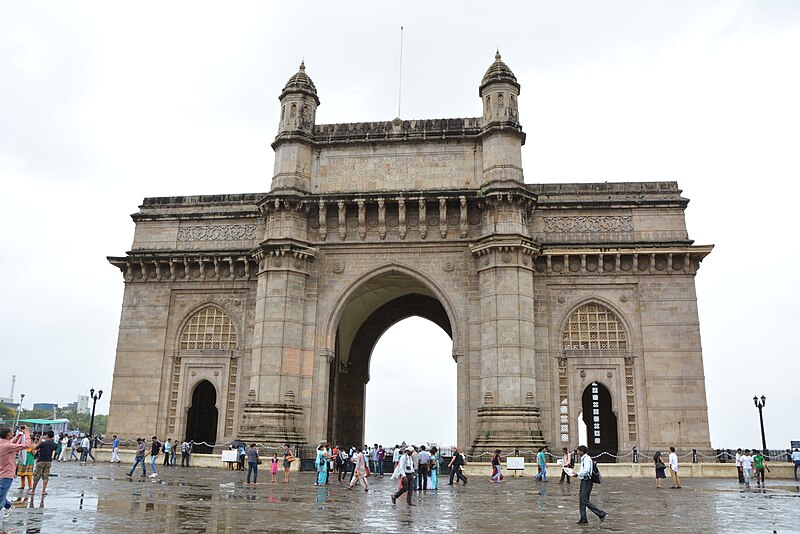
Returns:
point(103, 104)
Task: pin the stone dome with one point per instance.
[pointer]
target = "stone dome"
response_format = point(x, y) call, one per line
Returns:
point(300, 82)
point(498, 72)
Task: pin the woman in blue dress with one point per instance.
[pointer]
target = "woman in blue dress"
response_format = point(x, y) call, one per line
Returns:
point(322, 466)
point(434, 469)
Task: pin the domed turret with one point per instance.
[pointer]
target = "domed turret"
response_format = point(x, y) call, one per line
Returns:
point(293, 144)
point(498, 72)
point(499, 91)
point(502, 134)
point(299, 103)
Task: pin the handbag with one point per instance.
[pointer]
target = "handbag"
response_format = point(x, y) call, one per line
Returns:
point(660, 465)
point(258, 461)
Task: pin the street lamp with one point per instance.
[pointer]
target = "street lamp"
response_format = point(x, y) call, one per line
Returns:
point(19, 409)
point(94, 403)
point(760, 403)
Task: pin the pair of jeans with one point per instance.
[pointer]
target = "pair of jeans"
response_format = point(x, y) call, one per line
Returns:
point(5, 485)
point(584, 502)
point(136, 461)
point(166, 458)
point(379, 467)
point(543, 473)
point(796, 465)
point(252, 467)
point(173, 457)
point(748, 473)
point(185, 459)
point(84, 454)
point(153, 463)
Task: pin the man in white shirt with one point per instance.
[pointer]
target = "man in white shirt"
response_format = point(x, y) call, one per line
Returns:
point(739, 465)
point(585, 476)
point(673, 468)
point(405, 468)
point(396, 455)
point(747, 467)
point(423, 471)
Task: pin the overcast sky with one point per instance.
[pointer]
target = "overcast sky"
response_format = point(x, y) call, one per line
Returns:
point(103, 104)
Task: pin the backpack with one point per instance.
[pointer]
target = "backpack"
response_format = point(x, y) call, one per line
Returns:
point(596, 477)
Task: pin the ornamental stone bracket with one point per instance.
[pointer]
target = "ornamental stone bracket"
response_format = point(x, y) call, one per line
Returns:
point(284, 254)
point(621, 261)
point(198, 267)
point(505, 244)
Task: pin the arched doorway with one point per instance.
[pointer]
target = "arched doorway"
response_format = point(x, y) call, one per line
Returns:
point(201, 424)
point(371, 310)
point(601, 423)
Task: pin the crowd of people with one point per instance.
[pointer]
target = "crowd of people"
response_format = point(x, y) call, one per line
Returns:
point(29, 456)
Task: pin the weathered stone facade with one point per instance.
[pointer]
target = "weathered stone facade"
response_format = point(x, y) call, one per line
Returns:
point(550, 292)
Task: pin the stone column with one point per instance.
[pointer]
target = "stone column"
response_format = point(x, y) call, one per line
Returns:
point(506, 418)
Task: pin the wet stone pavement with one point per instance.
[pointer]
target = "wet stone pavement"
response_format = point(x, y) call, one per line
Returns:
point(100, 498)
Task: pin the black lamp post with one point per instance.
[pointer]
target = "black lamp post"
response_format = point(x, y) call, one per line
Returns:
point(94, 403)
point(760, 403)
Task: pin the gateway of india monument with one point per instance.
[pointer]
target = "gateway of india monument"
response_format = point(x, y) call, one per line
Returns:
point(254, 315)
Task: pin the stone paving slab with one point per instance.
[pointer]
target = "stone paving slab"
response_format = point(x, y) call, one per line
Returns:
point(100, 498)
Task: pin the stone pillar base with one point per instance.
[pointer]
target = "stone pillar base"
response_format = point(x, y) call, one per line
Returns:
point(272, 424)
point(507, 428)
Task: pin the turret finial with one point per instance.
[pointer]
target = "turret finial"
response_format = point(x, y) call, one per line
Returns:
point(497, 55)
point(303, 64)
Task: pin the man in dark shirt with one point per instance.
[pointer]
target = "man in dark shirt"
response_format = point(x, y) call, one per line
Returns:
point(45, 448)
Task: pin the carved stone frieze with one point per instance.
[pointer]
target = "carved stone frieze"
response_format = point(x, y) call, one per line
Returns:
point(622, 223)
point(225, 232)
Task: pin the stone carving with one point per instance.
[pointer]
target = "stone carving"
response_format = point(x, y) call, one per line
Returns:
point(227, 232)
point(588, 224)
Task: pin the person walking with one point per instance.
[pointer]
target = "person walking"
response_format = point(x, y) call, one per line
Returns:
point(186, 453)
point(44, 449)
point(673, 468)
point(796, 461)
point(424, 462)
point(660, 468)
point(359, 470)
point(760, 463)
point(92, 445)
point(9, 447)
point(747, 467)
point(62, 457)
point(405, 469)
point(74, 442)
point(288, 458)
point(435, 459)
point(115, 459)
point(585, 476)
point(415, 457)
point(343, 460)
point(139, 457)
point(497, 472)
point(155, 450)
point(566, 461)
point(455, 467)
point(167, 448)
point(396, 453)
point(252, 464)
point(85, 444)
point(541, 461)
point(739, 469)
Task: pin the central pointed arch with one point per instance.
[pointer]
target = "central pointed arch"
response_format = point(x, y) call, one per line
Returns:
point(369, 307)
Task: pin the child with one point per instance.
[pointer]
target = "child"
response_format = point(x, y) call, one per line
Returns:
point(274, 466)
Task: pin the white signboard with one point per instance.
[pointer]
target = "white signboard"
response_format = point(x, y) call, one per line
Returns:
point(230, 456)
point(515, 463)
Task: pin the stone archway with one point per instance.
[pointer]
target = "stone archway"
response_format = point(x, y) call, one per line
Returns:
point(201, 424)
point(371, 311)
